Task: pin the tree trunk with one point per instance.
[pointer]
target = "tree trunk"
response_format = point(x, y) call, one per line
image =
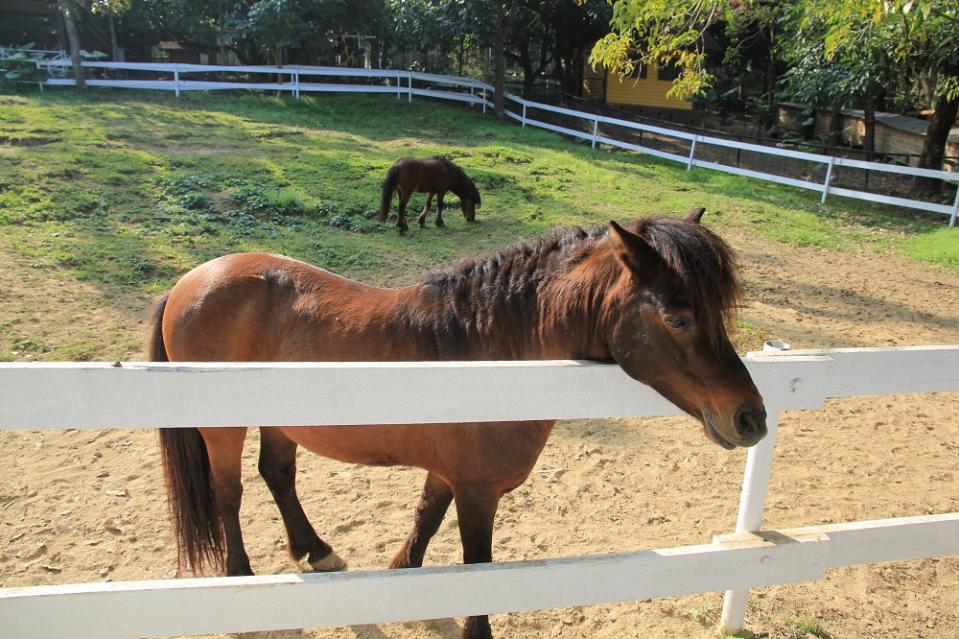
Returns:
point(869, 122)
point(462, 56)
point(499, 58)
point(68, 9)
point(835, 125)
point(934, 146)
point(113, 37)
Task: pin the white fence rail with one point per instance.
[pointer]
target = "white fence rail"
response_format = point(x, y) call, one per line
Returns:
point(475, 92)
point(137, 395)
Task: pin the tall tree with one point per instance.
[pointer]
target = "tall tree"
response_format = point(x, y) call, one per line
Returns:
point(111, 9)
point(70, 10)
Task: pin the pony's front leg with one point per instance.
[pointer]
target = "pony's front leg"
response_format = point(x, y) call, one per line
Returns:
point(401, 215)
point(476, 509)
point(422, 218)
point(430, 511)
point(439, 209)
point(224, 448)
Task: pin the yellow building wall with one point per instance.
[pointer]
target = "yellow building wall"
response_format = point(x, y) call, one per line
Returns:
point(649, 92)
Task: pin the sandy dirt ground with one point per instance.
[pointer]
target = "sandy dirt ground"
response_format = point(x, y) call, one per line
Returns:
point(89, 505)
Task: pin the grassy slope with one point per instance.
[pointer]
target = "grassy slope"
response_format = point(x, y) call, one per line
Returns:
point(125, 191)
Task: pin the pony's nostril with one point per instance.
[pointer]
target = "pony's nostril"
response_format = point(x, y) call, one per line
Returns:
point(750, 421)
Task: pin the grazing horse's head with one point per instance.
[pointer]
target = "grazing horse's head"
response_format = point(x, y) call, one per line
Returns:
point(469, 197)
point(666, 323)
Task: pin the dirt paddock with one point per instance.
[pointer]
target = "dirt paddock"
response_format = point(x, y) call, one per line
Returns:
point(89, 505)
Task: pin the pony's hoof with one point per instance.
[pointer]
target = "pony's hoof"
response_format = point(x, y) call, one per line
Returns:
point(330, 563)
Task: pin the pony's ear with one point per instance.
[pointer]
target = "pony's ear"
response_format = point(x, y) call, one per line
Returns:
point(632, 250)
point(694, 215)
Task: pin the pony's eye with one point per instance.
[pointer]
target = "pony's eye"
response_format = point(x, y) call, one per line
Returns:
point(678, 322)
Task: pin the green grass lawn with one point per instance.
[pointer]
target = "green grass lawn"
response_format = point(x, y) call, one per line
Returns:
point(128, 190)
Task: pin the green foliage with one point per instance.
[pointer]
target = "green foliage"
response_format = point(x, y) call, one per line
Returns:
point(18, 67)
point(809, 625)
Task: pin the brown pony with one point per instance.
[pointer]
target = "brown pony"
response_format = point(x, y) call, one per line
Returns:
point(435, 175)
point(652, 297)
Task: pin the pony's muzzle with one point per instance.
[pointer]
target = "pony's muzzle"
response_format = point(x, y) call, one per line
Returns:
point(750, 423)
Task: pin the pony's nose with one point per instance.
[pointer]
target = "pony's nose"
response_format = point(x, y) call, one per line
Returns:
point(750, 423)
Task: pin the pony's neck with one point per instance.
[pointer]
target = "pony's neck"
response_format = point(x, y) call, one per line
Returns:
point(522, 311)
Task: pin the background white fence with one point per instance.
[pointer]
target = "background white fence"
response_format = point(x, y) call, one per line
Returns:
point(405, 84)
point(84, 395)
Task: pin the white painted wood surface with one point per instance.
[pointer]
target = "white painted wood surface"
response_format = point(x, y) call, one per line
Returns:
point(100, 395)
point(238, 604)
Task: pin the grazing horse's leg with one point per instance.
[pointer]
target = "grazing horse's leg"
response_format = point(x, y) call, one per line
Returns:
point(278, 467)
point(430, 511)
point(439, 208)
point(224, 448)
point(401, 216)
point(422, 218)
point(476, 509)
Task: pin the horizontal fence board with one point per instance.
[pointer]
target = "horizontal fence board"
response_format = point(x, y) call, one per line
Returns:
point(779, 179)
point(241, 604)
point(895, 168)
point(558, 129)
point(85, 395)
point(448, 95)
point(642, 149)
point(889, 199)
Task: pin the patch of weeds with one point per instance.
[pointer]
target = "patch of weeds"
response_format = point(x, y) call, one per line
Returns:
point(24, 346)
point(808, 625)
point(357, 219)
point(706, 614)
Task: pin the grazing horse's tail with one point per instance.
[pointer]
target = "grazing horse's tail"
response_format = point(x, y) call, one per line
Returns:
point(389, 185)
point(186, 469)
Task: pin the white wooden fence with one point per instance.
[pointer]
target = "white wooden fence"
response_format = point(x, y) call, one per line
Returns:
point(84, 395)
point(297, 80)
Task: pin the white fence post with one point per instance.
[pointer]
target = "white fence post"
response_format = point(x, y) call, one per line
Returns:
point(759, 462)
point(296, 84)
point(825, 187)
point(524, 115)
point(692, 151)
point(484, 100)
point(955, 209)
point(409, 92)
point(595, 131)
point(176, 79)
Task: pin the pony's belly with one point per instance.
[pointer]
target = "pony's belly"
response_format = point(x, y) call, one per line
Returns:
point(370, 445)
point(500, 453)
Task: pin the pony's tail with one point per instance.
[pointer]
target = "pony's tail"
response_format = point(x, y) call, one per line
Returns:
point(389, 185)
point(186, 470)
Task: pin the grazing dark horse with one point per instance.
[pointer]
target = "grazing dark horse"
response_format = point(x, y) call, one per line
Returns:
point(652, 297)
point(435, 175)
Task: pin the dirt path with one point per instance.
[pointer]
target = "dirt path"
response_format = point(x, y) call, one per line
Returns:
point(88, 505)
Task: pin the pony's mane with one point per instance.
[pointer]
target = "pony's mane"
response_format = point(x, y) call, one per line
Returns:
point(521, 261)
point(702, 261)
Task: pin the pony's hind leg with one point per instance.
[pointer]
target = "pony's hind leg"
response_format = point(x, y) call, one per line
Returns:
point(430, 510)
point(277, 465)
point(225, 450)
point(426, 209)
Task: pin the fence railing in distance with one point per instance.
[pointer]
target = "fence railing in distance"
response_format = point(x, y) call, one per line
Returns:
point(85, 395)
point(587, 125)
